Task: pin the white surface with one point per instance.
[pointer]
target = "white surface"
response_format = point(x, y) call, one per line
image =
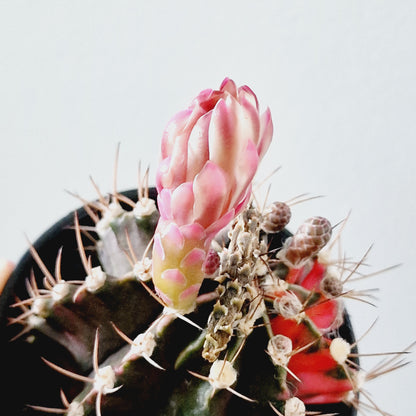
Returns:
point(77, 77)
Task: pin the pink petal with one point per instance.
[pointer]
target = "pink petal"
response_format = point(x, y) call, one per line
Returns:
point(172, 237)
point(178, 154)
point(182, 204)
point(228, 85)
point(174, 276)
point(198, 151)
point(266, 133)
point(173, 129)
point(246, 168)
point(194, 258)
point(163, 180)
point(224, 144)
point(178, 160)
point(194, 232)
point(203, 96)
point(244, 201)
point(218, 225)
point(164, 204)
point(158, 248)
point(207, 99)
point(210, 191)
point(248, 94)
point(249, 120)
point(191, 291)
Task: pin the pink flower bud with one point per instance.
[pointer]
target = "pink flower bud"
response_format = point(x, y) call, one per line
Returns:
point(209, 155)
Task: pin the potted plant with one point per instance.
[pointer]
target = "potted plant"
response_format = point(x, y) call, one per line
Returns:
point(185, 299)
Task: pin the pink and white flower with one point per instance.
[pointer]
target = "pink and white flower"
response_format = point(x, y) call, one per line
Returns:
point(210, 153)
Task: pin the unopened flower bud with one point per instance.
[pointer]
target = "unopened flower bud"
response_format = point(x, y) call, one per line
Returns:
point(276, 217)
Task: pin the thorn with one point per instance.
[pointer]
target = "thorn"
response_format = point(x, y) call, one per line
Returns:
point(81, 249)
point(64, 399)
point(365, 334)
point(47, 409)
point(87, 206)
point(104, 201)
point(132, 258)
point(241, 396)
point(121, 334)
point(39, 262)
point(67, 372)
point(116, 159)
point(300, 201)
point(95, 352)
point(170, 311)
point(58, 263)
point(359, 263)
point(386, 269)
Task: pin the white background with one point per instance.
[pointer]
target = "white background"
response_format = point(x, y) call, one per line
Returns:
point(77, 77)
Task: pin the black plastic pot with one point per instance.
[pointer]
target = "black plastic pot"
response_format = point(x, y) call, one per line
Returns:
point(26, 379)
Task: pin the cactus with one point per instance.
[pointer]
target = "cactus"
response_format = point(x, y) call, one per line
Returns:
point(191, 299)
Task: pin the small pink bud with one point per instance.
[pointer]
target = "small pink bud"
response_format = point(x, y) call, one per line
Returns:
point(212, 262)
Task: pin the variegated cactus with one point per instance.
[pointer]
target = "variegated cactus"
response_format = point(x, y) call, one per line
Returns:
point(204, 304)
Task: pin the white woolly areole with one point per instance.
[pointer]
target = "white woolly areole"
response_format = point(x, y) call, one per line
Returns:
point(113, 211)
point(222, 374)
point(142, 270)
point(95, 280)
point(359, 378)
point(40, 307)
point(280, 349)
point(143, 344)
point(260, 268)
point(273, 285)
point(104, 379)
point(294, 407)
point(246, 325)
point(145, 207)
point(34, 321)
point(59, 291)
point(339, 350)
point(324, 256)
point(289, 306)
point(75, 409)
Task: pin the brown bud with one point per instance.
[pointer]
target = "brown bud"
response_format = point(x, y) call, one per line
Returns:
point(309, 239)
point(276, 218)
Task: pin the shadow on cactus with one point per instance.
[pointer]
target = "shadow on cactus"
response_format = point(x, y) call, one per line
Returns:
point(191, 298)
